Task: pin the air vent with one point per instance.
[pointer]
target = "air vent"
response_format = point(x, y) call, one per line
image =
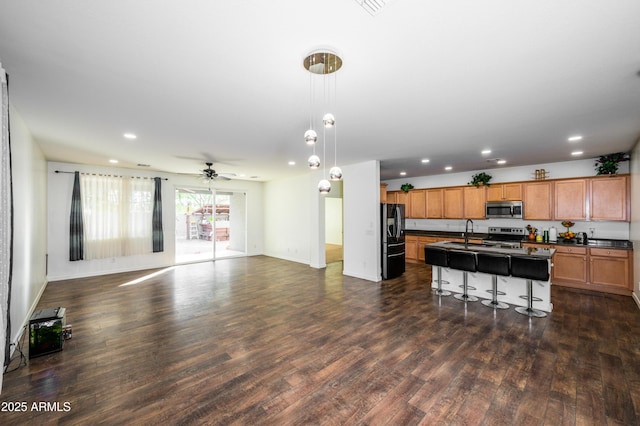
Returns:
point(373, 6)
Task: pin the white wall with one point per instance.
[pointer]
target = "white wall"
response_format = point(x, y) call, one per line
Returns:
point(634, 231)
point(288, 218)
point(30, 222)
point(333, 219)
point(59, 199)
point(361, 200)
point(237, 227)
point(566, 169)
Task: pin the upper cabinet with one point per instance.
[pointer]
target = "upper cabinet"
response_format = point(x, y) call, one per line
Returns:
point(403, 198)
point(570, 198)
point(417, 201)
point(537, 200)
point(435, 203)
point(609, 198)
point(504, 192)
point(383, 192)
point(474, 202)
point(605, 198)
point(453, 203)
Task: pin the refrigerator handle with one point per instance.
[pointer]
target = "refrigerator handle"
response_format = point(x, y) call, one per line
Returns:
point(396, 220)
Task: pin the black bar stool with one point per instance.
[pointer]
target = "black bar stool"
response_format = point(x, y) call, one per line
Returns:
point(530, 268)
point(464, 261)
point(437, 257)
point(495, 264)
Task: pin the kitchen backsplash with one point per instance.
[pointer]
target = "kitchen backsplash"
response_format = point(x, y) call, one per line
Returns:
point(613, 230)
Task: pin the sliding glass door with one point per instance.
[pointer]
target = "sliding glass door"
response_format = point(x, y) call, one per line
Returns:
point(209, 224)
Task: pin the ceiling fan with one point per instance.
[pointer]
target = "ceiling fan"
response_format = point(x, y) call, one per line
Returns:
point(209, 174)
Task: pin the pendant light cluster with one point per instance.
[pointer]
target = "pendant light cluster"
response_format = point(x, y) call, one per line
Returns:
point(323, 64)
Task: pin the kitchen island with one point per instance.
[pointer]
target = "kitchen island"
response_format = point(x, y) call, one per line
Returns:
point(512, 287)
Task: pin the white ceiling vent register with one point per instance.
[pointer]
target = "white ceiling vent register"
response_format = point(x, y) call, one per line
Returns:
point(373, 6)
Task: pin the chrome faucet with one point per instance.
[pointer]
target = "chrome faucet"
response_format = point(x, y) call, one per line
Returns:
point(466, 232)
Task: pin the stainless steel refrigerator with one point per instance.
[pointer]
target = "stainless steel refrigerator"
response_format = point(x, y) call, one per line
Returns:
point(392, 240)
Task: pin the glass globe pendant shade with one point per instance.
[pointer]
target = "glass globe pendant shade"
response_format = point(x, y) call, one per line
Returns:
point(324, 186)
point(314, 161)
point(329, 120)
point(335, 173)
point(310, 137)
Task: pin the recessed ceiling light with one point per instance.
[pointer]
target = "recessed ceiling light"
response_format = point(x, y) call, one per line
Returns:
point(113, 161)
point(292, 163)
point(575, 138)
point(130, 136)
point(485, 151)
point(501, 161)
point(448, 168)
point(403, 173)
point(577, 153)
point(425, 160)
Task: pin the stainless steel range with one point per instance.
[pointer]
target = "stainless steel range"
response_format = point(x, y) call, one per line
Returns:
point(505, 237)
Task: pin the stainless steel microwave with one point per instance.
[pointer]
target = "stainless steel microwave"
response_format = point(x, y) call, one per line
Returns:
point(504, 209)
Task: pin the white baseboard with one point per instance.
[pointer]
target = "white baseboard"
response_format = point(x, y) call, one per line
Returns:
point(25, 321)
point(361, 276)
point(635, 298)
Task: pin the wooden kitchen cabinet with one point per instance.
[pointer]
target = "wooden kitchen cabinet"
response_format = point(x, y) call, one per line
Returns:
point(609, 198)
point(610, 268)
point(537, 197)
point(422, 241)
point(434, 203)
point(474, 200)
point(569, 265)
point(504, 192)
point(411, 248)
point(417, 201)
point(383, 192)
point(570, 198)
point(453, 203)
point(403, 198)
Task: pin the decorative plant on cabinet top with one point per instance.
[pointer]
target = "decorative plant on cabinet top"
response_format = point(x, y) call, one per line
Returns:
point(406, 187)
point(608, 164)
point(480, 179)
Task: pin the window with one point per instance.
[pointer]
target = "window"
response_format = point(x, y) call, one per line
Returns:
point(117, 214)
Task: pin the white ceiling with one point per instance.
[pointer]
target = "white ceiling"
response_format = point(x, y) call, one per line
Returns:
point(199, 80)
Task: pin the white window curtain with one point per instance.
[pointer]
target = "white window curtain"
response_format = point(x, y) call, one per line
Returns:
point(5, 224)
point(117, 214)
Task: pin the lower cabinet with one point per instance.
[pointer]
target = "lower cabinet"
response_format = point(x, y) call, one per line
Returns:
point(411, 248)
point(606, 270)
point(414, 246)
point(610, 269)
point(570, 265)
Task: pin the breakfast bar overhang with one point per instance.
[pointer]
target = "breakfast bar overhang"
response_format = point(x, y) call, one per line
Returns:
point(514, 288)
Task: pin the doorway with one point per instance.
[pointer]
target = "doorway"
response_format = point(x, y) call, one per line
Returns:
point(210, 224)
point(333, 224)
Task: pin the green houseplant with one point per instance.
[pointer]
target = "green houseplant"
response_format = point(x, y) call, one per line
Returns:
point(608, 164)
point(406, 187)
point(480, 179)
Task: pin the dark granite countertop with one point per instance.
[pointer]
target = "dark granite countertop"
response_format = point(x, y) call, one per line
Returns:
point(476, 248)
point(592, 242)
point(444, 234)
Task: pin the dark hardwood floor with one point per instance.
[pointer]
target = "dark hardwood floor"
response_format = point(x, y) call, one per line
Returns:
point(263, 341)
